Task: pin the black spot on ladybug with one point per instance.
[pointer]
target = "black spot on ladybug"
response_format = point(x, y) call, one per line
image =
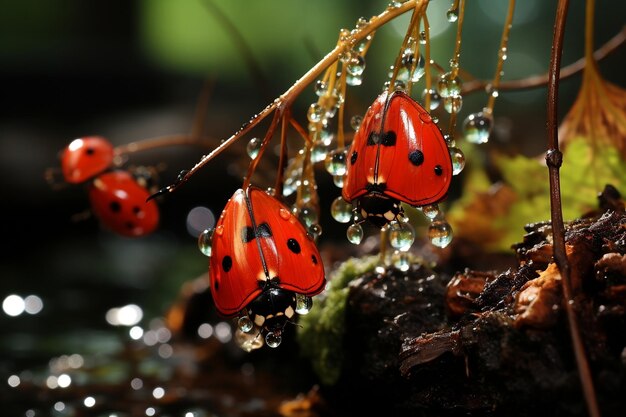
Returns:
point(353, 157)
point(416, 158)
point(262, 230)
point(115, 206)
point(314, 259)
point(90, 151)
point(389, 138)
point(293, 245)
point(227, 263)
point(216, 285)
point(130, 226)
point(438, 170)
point(373, 139)
point(137, 210)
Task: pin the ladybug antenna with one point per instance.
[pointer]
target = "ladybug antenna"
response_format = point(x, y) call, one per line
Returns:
point(293, 323)
point(54, 178)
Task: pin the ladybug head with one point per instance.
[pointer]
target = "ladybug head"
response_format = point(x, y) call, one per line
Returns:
point(378, 208)
point(271, 310)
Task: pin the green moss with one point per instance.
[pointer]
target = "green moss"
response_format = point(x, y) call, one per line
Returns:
point(321, 334)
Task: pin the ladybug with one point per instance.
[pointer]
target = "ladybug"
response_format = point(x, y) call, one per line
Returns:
point(119, 202)
point(397, 155)
point(264, 265)
point(84, 158)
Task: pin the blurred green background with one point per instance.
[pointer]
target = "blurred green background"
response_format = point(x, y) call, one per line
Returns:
point(130, 70)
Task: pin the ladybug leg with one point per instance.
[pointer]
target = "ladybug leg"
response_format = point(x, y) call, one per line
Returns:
point(270, 311)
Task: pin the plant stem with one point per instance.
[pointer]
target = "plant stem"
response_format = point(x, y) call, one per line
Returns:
point(541, 80)
point(554, 158)
point(502, 52)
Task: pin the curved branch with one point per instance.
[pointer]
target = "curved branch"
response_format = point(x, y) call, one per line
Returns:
point(541, 80)
point(287, 98)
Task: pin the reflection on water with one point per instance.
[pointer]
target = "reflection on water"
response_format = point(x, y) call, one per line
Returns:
point(95, 346)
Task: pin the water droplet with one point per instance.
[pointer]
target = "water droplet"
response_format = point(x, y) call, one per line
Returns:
point(315, 113)
point(449, 85)
point(248, 341)
point(400, 260)
point(452, 15)
point(303, 304)
point(284, 214)
point(319, 152)
point(453, 104)
point(458, 160)
point(336, 162)
point(345, 58)
point(341, 210)
point(355, 122)
point(440, 233)
point(219, 230)
point(306, 192)
point(355, 233)
point(289, 187)
point(398, 85)
point(394, 5)
point(503, 53)
point(401, 235)
point(435, 98)
point(430, 211)
point(308, 216)
point(273, 339)
point(354, 80)
point(204, 242)
point(356, 65)
point(491, 90)
point(339, 180)
point(403, 74)
point(477, 127)
point(408, 58)
point(245, 324)
point(315, 230)
point(253, 147)
point(422, 38)
point(361, 22)
point(326, 136)
point(320, 88)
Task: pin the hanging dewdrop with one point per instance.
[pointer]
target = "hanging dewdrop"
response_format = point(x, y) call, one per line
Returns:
point(477, 127)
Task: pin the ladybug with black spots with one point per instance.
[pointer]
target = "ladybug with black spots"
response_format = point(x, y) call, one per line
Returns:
point(117, 197)
point(398, 155)
point(264, 266)
point(119, 202)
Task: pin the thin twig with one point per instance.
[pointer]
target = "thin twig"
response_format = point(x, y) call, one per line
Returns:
point(541, 80)
point(162, 141)
point(195, 137)
point(554, 158)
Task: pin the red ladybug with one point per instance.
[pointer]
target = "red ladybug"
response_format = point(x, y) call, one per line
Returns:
point(262, 261)
point(398, 155)
point(119, 202)
point(84, 158)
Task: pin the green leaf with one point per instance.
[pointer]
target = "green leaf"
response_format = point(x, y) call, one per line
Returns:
point(523, 196)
